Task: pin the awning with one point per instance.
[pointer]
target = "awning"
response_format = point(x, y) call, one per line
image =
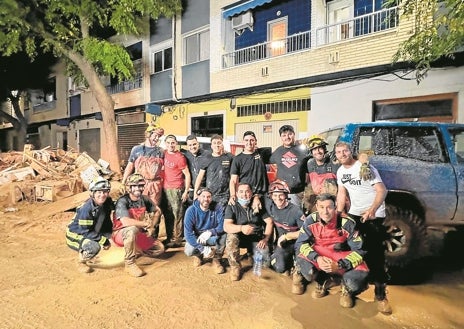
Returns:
point(154, 109)
point(242, 7)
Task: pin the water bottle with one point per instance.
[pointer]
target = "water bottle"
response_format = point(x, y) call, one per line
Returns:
point(257, 263)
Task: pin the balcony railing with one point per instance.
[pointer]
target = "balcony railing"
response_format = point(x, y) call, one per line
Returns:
point(125, 86)
point(362, 25)
point(291, 44)
point(359, 26)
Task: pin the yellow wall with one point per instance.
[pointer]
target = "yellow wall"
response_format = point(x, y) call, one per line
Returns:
point(183, 112)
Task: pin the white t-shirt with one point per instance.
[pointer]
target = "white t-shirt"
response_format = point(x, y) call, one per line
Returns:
point(362, 193)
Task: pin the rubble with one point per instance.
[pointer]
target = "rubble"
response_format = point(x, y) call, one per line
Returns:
point(47, 175)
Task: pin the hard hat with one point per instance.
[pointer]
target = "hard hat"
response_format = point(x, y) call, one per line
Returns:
point(316, 141)
point(279, 186)
point(135, 179)
point(99, 184)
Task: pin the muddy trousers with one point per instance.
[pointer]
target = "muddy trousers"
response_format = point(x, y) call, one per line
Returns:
point(282, 258)
point(355, 281)
point(235, 241)
point(129, 235)
point(174, 214)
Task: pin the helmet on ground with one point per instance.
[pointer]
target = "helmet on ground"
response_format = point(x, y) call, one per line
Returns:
point(99, 184)
point(135, 179)
point(316, 141)
point(279, 186)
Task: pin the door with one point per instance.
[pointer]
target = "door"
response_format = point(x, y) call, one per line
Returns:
point(277, 37)
point(89, 141)
point(338, 12)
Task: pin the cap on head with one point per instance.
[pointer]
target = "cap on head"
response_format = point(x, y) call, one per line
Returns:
point(279, 186)
point(249, 133)
point(285, 128)
point(99, 184)
point(204, 189)
point(135, 179)
point(316, 141)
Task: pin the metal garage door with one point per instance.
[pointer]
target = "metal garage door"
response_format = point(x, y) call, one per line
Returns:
point(128, 136)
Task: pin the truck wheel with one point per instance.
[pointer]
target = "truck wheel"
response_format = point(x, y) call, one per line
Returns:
point(406, 237)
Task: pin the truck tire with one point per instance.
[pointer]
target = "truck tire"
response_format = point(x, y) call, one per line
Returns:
point(406, 237)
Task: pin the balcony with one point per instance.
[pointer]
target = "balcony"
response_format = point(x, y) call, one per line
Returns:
point(378, 21)
point(291, 44)
point(125, 86)
point(359, 26)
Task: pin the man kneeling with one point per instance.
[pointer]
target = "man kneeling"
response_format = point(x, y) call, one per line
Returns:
point(329, 245)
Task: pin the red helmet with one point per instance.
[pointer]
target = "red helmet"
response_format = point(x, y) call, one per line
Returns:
point(279, 186)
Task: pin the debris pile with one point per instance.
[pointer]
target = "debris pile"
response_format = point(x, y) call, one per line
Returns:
point(46, 174)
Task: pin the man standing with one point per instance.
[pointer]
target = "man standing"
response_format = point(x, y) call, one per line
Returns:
point(290, 160)
point(329, 245)
point(91, 227)
point(287, 219)
point(215, 171)
point(195, 156)
point(176, 186)
point(147, 159)
point(248, 167)
point(246, 228)
point(322, 173)
point(367, 208)
point(204, 229)
point(133, 224)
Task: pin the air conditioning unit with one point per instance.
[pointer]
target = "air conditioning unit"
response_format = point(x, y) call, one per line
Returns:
point(243, 21)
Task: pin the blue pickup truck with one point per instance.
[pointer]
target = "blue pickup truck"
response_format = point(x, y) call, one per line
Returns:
point(422, 166)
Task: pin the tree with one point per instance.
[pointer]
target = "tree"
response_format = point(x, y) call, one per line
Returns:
point(13, 86)
point(438, 32)
point(76, 32)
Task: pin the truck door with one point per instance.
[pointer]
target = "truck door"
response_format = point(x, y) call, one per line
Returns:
point(456, 150)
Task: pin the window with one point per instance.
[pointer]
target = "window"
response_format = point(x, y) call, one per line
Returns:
point(196, 47)
point(162, 60)
point(208, 125)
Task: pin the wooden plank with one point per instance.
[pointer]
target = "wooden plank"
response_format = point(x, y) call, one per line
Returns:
point(49, 209)
point(39, 169)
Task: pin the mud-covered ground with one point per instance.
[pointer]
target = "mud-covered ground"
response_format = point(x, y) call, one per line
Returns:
point(41, 288)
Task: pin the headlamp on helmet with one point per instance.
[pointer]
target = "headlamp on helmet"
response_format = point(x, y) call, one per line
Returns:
point(99, 184)
point(279, 186)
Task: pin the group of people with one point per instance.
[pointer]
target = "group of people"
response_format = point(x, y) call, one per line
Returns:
point(321, 219)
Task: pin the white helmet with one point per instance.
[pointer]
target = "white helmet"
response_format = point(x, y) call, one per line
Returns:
point(99, 184)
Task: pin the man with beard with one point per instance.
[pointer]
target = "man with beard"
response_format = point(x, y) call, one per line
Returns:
point(133, 225)
point(322, 173)
point(216, 171)
point(367, 208)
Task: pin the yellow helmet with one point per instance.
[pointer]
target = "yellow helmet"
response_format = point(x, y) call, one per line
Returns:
point(316, 141)
point(155, 129)
point(135, 179)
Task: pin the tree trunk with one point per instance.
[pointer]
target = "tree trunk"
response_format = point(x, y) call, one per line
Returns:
point(106, 104)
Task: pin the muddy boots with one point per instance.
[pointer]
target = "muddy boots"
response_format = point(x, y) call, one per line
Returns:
point(197, 261)
point(82, 266)
point(320, 290)
point(217, 266)
point(134, 270)
point(235, 272)
point(383, 306)
point(297, 283)
point(346, 299)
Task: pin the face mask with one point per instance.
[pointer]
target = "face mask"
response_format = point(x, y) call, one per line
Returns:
point(243, 202)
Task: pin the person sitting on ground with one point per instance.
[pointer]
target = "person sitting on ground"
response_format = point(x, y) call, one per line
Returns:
point(90, 229)
point(133, 225)
point(287, 218)
point(204, 230)
point(329, 245)
point(246, 228)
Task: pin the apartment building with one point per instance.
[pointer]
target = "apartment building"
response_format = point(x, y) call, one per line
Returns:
point(227, 66)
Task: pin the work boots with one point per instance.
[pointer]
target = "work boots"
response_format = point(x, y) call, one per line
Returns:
point(217, 266)
point(235, 272)
point(82, 266)
point(383, 306)
point(134, 270)
point(297, 283)
point(346, 300)
point(320, 290)
point(196, 261)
